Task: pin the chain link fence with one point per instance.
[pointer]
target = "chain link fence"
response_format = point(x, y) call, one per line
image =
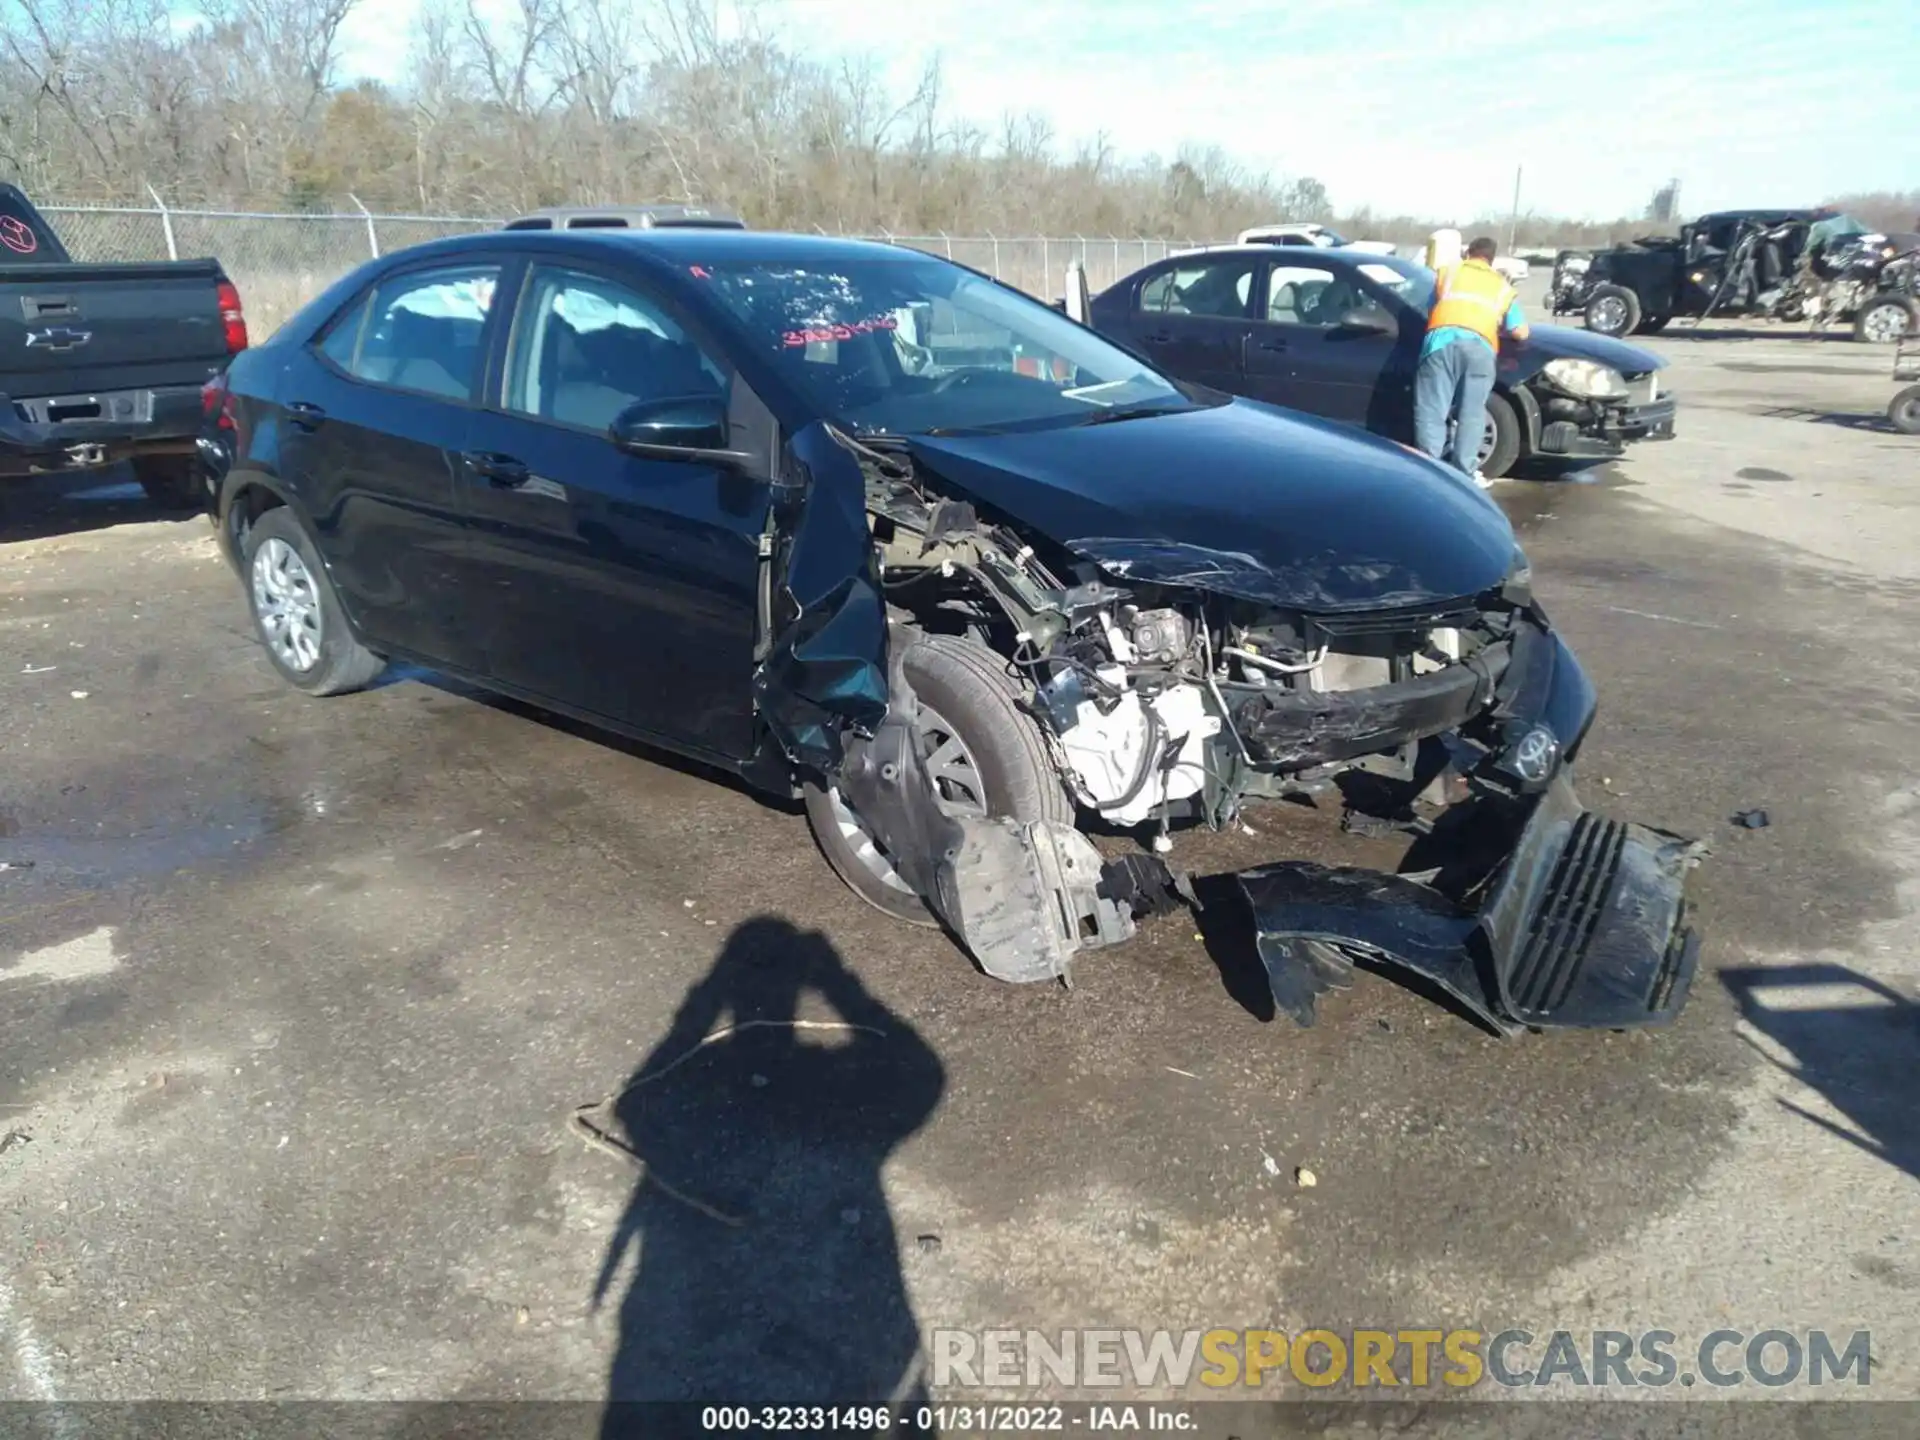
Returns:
point(282, 261)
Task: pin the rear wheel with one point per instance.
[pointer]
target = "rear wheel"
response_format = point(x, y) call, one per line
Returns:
point(171, 481)
point(297, 615)
point(1885, 320)
point(984, 755)
point(1904, 412)
point(1613, 310)
point(1500, 443)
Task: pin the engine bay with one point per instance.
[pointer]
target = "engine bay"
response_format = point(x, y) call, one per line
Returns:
point(1166, 703)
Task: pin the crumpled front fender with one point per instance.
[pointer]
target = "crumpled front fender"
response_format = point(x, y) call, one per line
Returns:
point(826, 670)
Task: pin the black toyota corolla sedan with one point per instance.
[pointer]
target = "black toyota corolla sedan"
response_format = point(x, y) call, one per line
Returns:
point(867, 527)
point(1338, 333)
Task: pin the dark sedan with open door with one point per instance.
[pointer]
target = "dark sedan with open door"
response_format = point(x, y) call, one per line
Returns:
point(864, 525)
point(1338, 333)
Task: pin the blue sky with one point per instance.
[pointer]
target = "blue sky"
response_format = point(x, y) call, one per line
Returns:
point(1422, 106)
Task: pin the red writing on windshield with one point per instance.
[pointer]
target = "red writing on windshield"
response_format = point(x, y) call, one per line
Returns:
point(794, 338)
point(16, 234)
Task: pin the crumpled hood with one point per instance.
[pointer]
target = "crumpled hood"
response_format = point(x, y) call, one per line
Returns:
point(1244, 499)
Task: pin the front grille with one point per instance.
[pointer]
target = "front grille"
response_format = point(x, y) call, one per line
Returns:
point(1555, 945)
point(1399, 620)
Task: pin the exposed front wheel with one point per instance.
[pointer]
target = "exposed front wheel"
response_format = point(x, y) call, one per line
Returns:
point(1885, 320)
point(984, 755)
point(1613, 310)
point(297, 615)
point(1904, 412)
point(1500, 442)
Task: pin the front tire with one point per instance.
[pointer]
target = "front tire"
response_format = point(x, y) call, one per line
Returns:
point(1500, 445)
point(985, 754)
point(1904, 412)
point(296, 613)
point(1613, 310)
point(1886, 320)
point(172, 482)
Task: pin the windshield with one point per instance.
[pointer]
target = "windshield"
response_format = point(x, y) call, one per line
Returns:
point(910, 344)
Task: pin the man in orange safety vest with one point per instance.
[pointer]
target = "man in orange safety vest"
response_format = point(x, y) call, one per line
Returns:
point(1473, 306)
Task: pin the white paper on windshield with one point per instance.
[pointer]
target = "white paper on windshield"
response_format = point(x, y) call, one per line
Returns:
point(1101, 394)
point(1385, 274)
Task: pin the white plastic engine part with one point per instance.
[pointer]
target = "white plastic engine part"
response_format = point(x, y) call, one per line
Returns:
point(1107, 751)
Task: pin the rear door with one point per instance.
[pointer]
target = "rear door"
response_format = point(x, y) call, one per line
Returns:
point(374, 415)
point(618, 586)
point(1305, 353)
point(1191, 318)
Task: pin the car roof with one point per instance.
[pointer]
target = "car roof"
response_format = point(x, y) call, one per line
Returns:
point(1300, 255)
point(638, 217)
point(1767, 216)
point(669, 247)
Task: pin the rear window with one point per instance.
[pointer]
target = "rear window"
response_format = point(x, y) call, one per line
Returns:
point(24, 238)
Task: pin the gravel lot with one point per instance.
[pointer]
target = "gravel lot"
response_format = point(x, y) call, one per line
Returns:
point(296, 999)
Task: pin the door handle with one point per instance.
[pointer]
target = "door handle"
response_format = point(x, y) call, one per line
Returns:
point(1159, 337)
point(306, 416)
point(496, 469)
point(1275, 347)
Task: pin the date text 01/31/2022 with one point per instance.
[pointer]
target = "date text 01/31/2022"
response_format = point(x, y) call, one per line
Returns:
point(944, 1419)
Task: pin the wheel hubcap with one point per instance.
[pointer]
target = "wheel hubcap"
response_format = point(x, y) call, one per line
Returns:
point(287, 605)
point(1489, 437)
point(1611, 312)
point(956, 780)
point(1885, 324)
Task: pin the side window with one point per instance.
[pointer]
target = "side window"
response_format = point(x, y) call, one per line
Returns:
point(1311, 295)
point(341, 341)
point(1218, 287)
point(585, 348)
point(422, 331)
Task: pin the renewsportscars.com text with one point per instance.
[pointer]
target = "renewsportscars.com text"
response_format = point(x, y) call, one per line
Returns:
point(1223, 1360)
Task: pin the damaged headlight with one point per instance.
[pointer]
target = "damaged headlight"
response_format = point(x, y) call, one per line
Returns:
point(1588, 379)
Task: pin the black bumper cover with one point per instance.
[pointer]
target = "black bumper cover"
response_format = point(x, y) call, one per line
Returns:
point(1581, 925)
point(1610, 436)
point(1584, 926)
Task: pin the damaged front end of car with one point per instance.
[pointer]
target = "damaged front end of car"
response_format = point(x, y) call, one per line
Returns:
point(1174, 684)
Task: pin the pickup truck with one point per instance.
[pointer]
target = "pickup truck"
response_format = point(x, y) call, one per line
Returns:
point(105, 363)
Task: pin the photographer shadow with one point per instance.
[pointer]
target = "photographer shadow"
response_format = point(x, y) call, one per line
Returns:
point(769, 1271)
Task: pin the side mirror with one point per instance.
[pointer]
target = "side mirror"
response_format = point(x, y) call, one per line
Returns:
point(691, 428)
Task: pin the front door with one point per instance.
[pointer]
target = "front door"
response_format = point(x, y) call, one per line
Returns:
point(1317, 345)
point(1191, 318)
point(621, 587)
point(372, 417)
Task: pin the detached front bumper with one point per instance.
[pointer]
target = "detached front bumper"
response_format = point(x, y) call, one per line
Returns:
point(1583, 926)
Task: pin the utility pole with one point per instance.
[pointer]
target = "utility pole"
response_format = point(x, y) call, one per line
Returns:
point(1513, 215)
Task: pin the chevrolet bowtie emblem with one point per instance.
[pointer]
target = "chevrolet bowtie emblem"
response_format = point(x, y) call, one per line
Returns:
point(59, 337)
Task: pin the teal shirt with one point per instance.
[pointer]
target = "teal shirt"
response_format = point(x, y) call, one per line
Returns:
point(1446, 335)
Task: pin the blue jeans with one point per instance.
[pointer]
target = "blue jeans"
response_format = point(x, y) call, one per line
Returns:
point(1453, 383)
